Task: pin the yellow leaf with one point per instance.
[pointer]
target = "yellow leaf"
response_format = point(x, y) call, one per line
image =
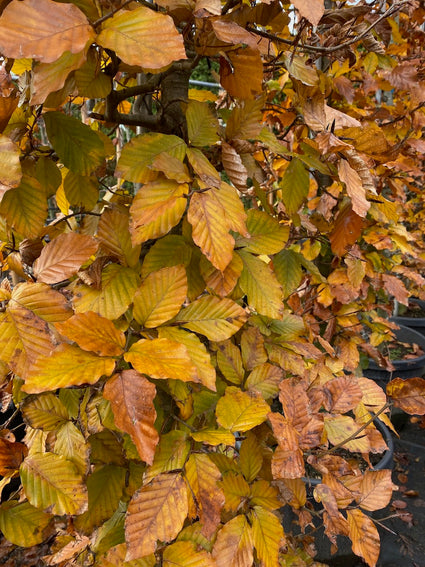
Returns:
point(364, 536)
point(251, 457)
point(22, 524)
point(241, 411)
point(160, 296)
point(197, 353)
point(206, 215)
point(50, 77)
point(93, 333)
point(184, 554)
point(52, 482)
point(233, 207)
point(202, 166)
point(340, 427)
point(81, 191)
point(214, 437)
point(44, 411)
point(267, 496)
point(10, 165)
point(202, 95)
point(143, 37)
point(202, 476)
point(268, 536)
point(202, 124)
point(157, 207)
point(25, 207)
point(217, 319)
point(139, 154)
point(156, 512)
point(131, 396)
point(162, 358)
point(115, 296)
point(245, 121)
point(234, 545)
point(171, 250)
point(90, 80)
point(267, 235)
point(63, 256)
point(260, 284)
point(66, 366)
point(50, 30)
point(71, 444)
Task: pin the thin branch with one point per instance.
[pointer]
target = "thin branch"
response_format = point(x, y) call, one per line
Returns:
point(71, 215)
point(110, 14)
point(332, 49)
point(393, 120)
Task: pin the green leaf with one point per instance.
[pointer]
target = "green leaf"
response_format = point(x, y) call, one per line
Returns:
point(171, 454)
point(294, 186)
point(267, 235)
point(171, 250)
point(138, 155)
point(68, 136)
point(287, 266)
point(81, 191)
point(25, 207)
point(71, 444)
point(105, 487)
point(22, 524)
point(202, 124)
point(259, 283)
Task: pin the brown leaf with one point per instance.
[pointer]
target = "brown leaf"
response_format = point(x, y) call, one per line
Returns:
point(241, 73)
point(131, 396)
point(11, 456)
point(342, 394)
point(354, 187)
point(234, 167)
point(364, 536)
point(409, 395)
point(311, 10)
point(287, 460)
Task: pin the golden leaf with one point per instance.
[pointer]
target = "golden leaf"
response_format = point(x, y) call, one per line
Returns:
point(160, 296)
point(156, 512)
point(66, 366)
point(143, 37)
point(22, 524)
point(241, 411)
point(267, 535)
point(409, 395)
point(375, 490)
point(131, 396)
point(162, 358)
point(184, 554)
point(339, 428)
point(115, 239)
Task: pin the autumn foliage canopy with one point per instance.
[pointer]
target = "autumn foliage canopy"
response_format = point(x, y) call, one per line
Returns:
point(193, 280)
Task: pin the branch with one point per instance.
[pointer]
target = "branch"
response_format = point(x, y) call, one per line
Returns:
point(118, 8)
point(326, 50)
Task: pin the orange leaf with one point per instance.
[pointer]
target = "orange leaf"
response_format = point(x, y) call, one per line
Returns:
point(93, 333)
point(62, 257)
point(346, 230)
point(375, 490)
point(50, 29)
point(311, 10)
point(156, 512)
point(342, 394)
point(131, 396)
point(364, 535)
point(241, 73)
point(409, 395)
point(354, 187)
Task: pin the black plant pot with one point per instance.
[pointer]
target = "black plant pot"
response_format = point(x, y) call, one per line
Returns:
point(407, 368)
point(344, 555)
point(415, 323)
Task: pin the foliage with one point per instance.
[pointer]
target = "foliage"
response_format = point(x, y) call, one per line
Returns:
point(191, 273)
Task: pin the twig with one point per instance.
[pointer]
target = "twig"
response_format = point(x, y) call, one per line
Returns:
point(65, 218)
point(110, 14)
